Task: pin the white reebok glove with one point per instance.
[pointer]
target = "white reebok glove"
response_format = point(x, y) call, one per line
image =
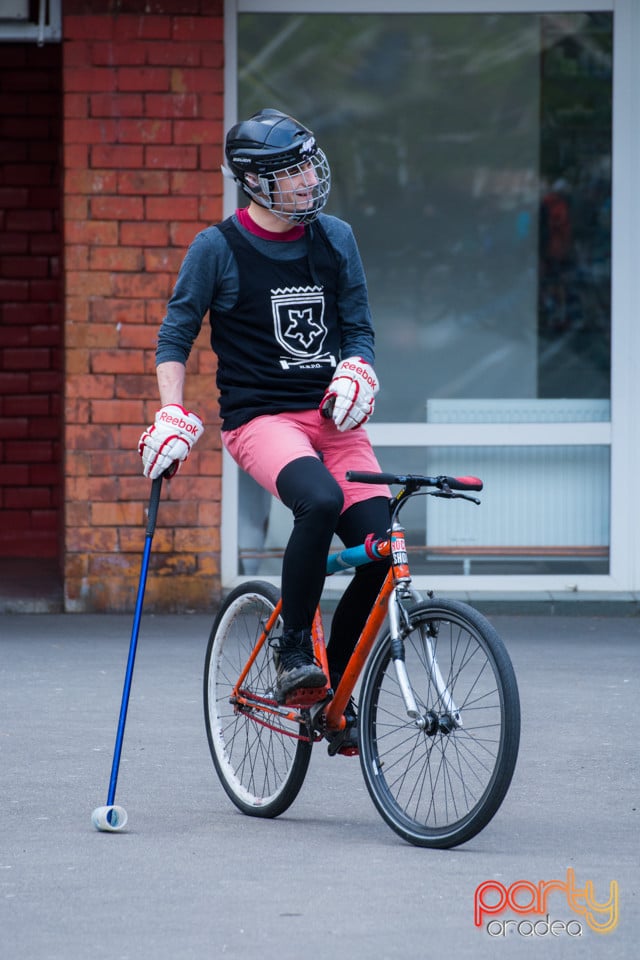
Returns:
point(350, 397)
point(169, 440)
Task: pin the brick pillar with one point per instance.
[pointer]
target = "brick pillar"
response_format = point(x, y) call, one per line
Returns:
point(142, 150)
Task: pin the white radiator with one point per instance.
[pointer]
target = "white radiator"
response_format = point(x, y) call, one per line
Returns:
point(537, 497)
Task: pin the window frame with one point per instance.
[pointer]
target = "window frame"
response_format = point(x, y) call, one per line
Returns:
point(46, 29)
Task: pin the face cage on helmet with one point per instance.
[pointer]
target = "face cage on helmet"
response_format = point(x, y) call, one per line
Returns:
point(294, 206)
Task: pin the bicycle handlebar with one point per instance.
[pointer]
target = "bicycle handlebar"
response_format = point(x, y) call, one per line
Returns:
point(415, 480)
point(375, 549)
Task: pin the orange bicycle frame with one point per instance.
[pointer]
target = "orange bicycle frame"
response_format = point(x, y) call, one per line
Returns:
point(334, 715)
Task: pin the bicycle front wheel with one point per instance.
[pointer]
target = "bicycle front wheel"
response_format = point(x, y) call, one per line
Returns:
point(260, 757)
point(439, 781)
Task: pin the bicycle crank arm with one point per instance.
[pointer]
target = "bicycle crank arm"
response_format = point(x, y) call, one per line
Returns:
point(252, 702)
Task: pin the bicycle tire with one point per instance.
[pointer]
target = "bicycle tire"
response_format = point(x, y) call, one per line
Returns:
point(440, 788)
point(261, 768)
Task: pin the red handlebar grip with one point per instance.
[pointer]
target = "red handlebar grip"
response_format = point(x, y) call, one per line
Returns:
point(465, 483)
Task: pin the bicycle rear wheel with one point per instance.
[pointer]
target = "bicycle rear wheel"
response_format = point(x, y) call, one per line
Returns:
point(439, 785)
point(259, 757)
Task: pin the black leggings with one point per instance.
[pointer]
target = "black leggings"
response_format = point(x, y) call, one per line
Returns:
point(315, 498)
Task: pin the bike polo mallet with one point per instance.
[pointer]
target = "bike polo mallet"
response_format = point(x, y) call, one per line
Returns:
point(112, 818)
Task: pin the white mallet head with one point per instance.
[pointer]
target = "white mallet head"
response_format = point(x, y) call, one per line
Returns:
point(110, 819)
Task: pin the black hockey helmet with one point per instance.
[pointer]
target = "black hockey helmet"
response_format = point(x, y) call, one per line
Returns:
point(270, 146)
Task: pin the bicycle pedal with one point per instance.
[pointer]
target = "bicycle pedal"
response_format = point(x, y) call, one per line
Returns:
point(337, 746)
point(305, 696)
point(343, 742)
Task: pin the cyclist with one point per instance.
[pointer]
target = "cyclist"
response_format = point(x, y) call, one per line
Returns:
point(286, 294)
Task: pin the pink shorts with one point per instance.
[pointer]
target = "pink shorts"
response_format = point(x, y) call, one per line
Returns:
point(266, 444)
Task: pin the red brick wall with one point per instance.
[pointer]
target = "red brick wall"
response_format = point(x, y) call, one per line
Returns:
point(30, 301)
point(143, 133)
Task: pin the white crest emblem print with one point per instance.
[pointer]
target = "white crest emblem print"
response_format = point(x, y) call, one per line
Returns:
point(298, 318)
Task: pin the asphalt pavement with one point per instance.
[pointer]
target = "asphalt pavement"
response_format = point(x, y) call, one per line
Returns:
point(191, 878)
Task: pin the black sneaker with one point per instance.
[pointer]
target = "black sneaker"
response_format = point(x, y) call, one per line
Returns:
point(295, 664)
point(345, 742)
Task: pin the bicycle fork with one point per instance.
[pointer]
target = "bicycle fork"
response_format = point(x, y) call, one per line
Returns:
point(398, 630)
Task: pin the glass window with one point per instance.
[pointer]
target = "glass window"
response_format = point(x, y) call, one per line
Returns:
point(472, 155)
